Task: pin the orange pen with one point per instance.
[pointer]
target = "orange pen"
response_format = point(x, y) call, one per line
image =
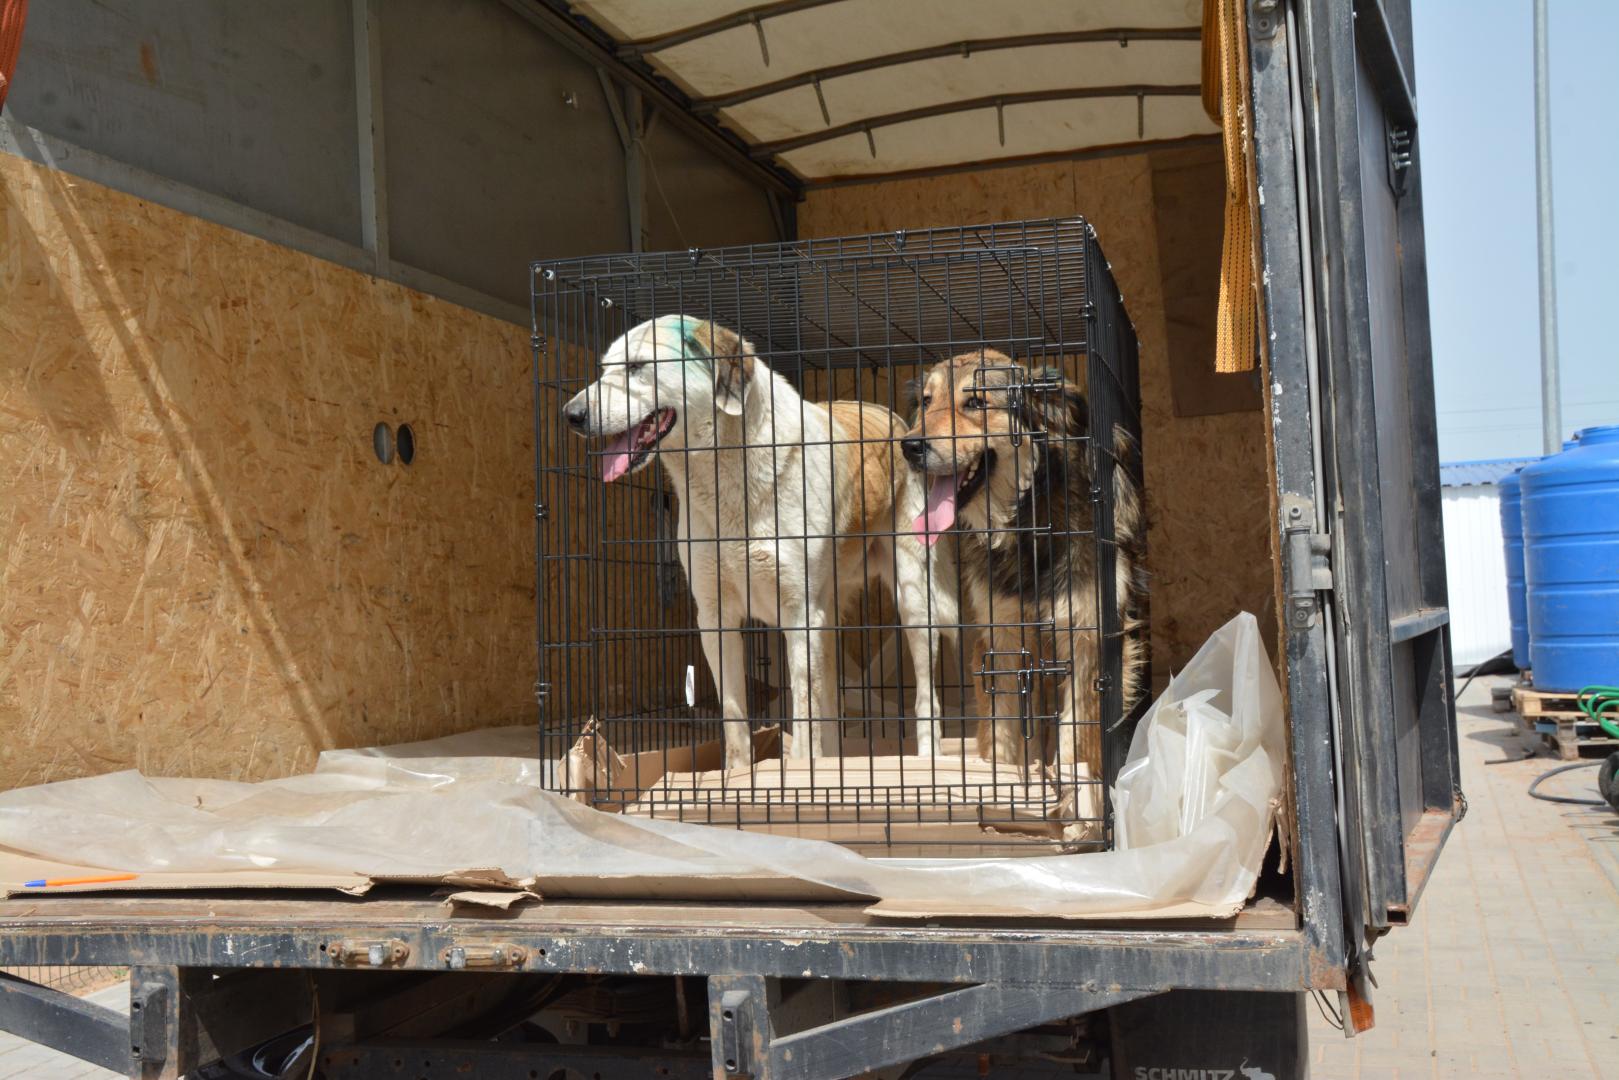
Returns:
point(44, 883)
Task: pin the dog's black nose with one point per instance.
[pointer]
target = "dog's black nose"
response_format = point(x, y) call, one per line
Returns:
point(915, 450)
point(576, 412)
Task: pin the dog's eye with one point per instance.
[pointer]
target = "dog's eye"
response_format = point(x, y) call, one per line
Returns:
point(973, 401)
point(927, 399)
point(631, 369)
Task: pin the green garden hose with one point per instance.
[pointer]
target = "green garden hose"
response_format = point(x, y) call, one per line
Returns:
point(1601, 705)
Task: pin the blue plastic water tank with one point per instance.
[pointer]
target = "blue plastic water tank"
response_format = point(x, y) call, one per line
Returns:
point(1571, 562)
point(1512, 537)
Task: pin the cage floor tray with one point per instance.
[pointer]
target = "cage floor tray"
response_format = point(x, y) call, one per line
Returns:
point(954, 799)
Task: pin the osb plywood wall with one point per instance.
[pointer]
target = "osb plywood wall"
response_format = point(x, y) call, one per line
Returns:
point(1207, 476)
point(204, 569)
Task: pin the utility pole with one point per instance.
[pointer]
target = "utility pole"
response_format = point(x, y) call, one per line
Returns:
point(1551, 395)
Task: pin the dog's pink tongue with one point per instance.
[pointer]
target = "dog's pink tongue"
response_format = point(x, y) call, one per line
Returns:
point(616, 458)
point(941, 510)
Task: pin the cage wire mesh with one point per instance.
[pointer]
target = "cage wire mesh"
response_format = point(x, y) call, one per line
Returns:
point(72, 980)
point(915, 622)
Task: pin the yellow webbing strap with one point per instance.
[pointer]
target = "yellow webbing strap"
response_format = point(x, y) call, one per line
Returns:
point(1225, 99)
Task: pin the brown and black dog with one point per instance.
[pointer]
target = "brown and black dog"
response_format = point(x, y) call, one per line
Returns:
point(1010, 468)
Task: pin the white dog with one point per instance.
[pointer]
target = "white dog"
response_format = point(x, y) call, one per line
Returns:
point(785, 507)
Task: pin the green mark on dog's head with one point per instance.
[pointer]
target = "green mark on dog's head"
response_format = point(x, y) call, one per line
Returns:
point(690, 331)
point(687, 330)
point(715, 351)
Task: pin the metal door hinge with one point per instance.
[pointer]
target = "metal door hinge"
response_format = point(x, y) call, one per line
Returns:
point(1308, 564)
point(1399, 158)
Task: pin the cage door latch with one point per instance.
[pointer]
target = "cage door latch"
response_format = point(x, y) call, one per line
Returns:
point(1309, 563)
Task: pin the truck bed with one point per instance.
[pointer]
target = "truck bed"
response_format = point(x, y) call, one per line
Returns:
point(1260, 948)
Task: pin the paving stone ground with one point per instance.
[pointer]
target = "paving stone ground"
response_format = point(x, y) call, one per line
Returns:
point(1509, 969)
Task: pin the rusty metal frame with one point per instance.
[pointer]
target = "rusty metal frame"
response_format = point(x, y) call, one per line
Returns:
point(64, 1022)
point(985, 982)
point(746, 1042)
point(609, 937)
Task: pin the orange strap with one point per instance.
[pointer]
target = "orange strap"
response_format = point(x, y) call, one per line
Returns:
point(1225, 98)
point(13, 13)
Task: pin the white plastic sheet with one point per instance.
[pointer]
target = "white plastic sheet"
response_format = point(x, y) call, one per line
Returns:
point(1195, 801)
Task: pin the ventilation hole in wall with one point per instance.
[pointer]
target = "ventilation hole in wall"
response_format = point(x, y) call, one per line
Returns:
point(382, 441)
point(407, 444)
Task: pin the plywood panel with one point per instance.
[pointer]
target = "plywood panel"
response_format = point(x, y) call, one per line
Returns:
point(1207, 479)
point(204, 569)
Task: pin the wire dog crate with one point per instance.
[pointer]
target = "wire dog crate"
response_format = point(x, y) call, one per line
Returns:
point(913, 622)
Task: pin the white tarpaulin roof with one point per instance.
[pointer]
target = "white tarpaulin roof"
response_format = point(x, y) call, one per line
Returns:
point(833, 88)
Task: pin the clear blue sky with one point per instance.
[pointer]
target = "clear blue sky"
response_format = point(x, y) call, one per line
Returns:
point(1476, 110)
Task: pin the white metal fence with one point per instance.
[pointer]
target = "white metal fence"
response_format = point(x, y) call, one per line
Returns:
point(1476, 567)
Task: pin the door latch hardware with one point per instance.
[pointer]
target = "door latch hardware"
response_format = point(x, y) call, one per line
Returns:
point(497, 955)
point(377, 953)
point(1023, 667)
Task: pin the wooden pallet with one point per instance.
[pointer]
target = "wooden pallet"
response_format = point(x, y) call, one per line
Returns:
point(1556, 720)
point(1531, 703)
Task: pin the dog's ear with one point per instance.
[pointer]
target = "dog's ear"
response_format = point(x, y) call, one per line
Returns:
point(730, 357)
point(910, 394)
point(1060, 410)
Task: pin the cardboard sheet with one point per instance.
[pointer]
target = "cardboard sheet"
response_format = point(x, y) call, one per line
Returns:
point(1195, 808)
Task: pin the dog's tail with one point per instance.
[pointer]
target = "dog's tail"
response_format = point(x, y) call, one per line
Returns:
point(1130, 564)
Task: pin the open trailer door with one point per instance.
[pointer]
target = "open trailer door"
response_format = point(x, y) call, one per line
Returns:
point(1396, 720)
point(1344, 285)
